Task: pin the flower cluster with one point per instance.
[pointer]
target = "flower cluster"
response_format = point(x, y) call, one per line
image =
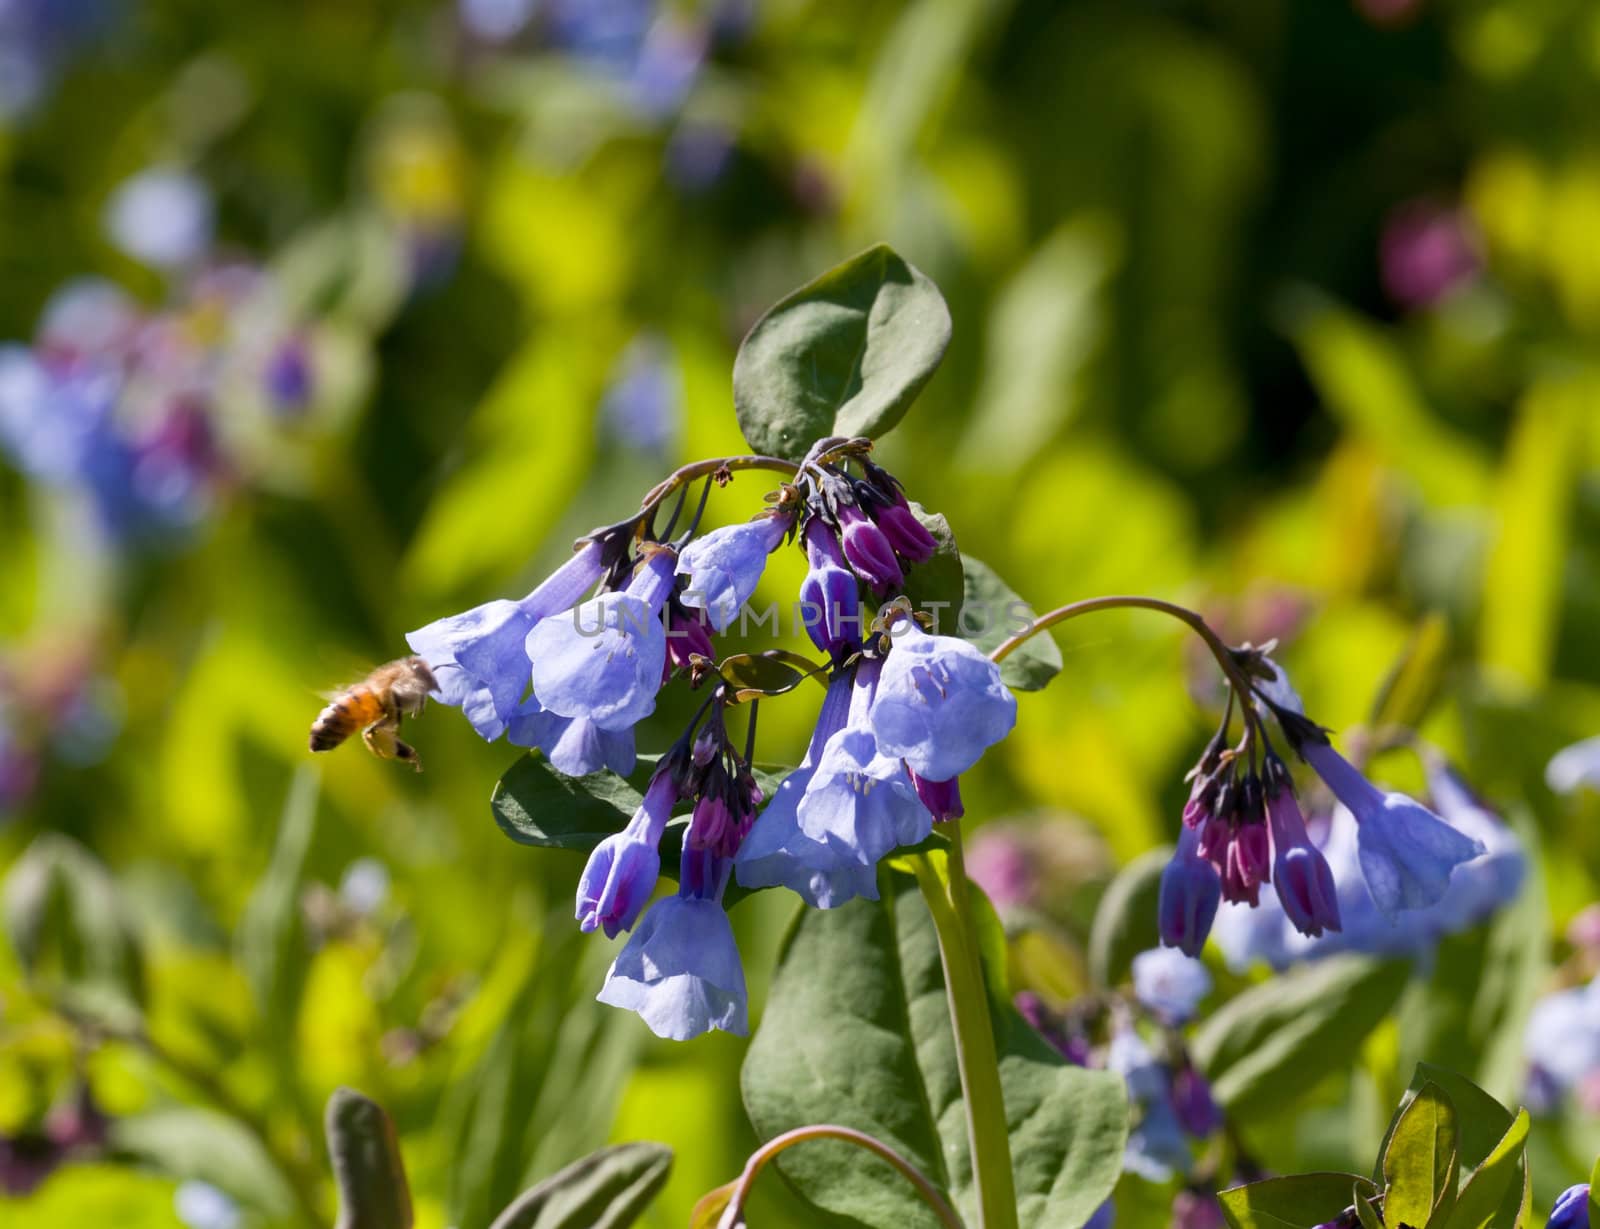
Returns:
point(572, 674)
point(1476, 888)
point(151, 416)
point(1243, 828)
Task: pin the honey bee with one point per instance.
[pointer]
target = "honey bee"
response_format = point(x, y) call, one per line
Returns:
point(375, 706)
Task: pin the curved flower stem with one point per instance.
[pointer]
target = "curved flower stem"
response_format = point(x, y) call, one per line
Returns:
point(741, 1190)
point(713, 466)
point(1229, 664)
point(950, 904)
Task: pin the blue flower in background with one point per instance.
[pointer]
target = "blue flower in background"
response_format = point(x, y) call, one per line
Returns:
point(1104, 1216)
point(1571, 1210)
point(1562, 1044)
point(162, 217)
point(36, 39)
point(725, 565)
point(1575, 767)
point(1170, 983)
point(939, 703)
point(643, 405)
point(680, 970)
point(604, 658)
point(622, 870)
point(1157, 1145)
point(480, 656)
point(199, 1205)
point(1407, 852)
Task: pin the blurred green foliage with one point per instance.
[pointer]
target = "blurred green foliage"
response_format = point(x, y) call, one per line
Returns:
point(1191, 357)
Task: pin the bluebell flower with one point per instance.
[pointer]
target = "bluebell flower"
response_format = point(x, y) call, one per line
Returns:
point(1407, 852)
point(480, 657)
point(622, 870)
point(939, 703)
point(1157, 1145)
point(1301, 875)
point(1562, 1043)
point(1191, 889)
point(1170, 983)
point(825, 871)
point(725, 565)
point(604, 659)
point(1571, 1209)
point(162, 217)
point(575, 746)
point(199, 1205)
point(680, 970)
point(830, 596)
point(1575, 767)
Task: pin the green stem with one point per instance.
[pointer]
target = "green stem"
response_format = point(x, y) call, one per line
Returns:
point(950, 903)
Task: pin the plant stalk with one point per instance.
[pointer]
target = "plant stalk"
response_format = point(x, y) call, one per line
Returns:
point(950, 903)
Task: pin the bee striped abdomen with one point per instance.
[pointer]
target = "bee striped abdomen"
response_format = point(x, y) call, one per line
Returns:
point(346, 713)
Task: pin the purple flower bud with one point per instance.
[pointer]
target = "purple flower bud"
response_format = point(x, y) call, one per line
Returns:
point(906, 533)
point(1571, 1210)
point(687, 638)
point(1407, 852)
point(1191, 889)
point(1303, 877)
point(830, 598)
point(869, 551)
point(1193, 1103)
point(1248, 863)
point(942, 798)
point(622, 871)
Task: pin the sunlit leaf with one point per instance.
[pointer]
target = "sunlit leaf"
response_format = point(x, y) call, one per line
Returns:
point(1418, 1166)
point(1297, 1201)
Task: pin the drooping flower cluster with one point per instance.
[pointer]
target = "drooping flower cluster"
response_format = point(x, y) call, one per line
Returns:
point(1243, 829)
point(572, 674)
point(1474, 890)
point(150, 417)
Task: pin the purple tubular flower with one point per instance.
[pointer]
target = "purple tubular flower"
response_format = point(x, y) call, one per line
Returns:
point(830, 597)
point(1571, 1210)
point(680, 971)
point(905, 532)
point(725, 565)
point(1191, 889)
point(622, 870)
point(1302, 875)
point(825, 872)
point(479, 657)
point(1407, 852)
point(869, 551)
point(939, 704)
point(603, 660)
point(942, 798)
point(575, 746)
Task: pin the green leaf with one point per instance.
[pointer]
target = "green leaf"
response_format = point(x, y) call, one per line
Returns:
point(271, 938)
point(1367, 1213)
point(769, 673)
point(1413, 683)
point(1275, 1041)
point(1300, 1200)
point(1594, 1193)
point(1482, 1124)
point(1418, 1166)
point(856, 1031)
point(1029, 667)
point(937, 586)
point(209, 1147)
point(1492, 1196)
point(1125, 920)
point(843, 355)
point(373, 1193)
point(67, 919)
point(609, 1189)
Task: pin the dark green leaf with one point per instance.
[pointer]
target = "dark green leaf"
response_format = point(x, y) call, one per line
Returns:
point(366, 1164)
point(991, 612)
point(609, 1189)
point(1418, 1166)
point(938, 585)
point(770, 673)
point(1275, 1041)
point(1298, 1201)
point(856, 1031)
point(1493, 1195)
point(67, 919)
point(1125, 921)
point(843, 355)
